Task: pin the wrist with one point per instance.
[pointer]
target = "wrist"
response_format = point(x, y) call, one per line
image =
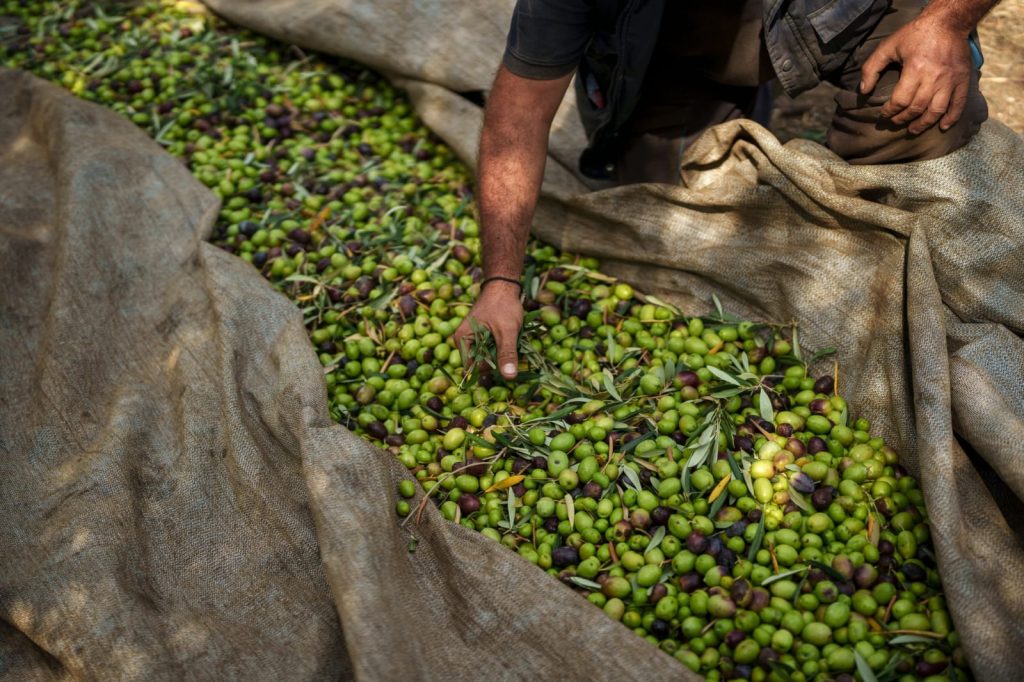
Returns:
point(953, 19)
point(502, 284)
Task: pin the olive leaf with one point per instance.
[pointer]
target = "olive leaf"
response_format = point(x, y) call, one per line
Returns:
point(724, 376)
point(765, 405)
point(656, 539)
point(912, 639)
point(780, 576)
point(583, 582)
point(632, 479)
point(718, 306)
point(866, 674)
point(755, 544)
point(510, 505)
point(798, 499)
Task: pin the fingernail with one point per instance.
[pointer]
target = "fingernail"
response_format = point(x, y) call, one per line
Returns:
point(508, 368)
point(863, 86)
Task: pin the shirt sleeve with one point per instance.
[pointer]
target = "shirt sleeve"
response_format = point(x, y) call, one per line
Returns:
point(547, 38)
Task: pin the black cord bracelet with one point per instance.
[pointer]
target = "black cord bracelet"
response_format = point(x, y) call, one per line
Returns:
point(502, 279)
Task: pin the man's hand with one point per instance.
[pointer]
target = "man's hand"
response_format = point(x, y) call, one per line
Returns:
point(935, 77)
point(936, 60)
point(498, 309)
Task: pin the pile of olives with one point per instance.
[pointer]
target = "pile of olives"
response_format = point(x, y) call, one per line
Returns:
point(685, 474)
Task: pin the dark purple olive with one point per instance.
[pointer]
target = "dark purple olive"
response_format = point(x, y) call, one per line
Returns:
point(395, 440)
point(592, 490)
point(364, 285)
point(913, 572)
point(815, 576)
point(696, 543)
point(474, 466)
point(689, 379)
point(760, 598)
point(785, 430)
point(824, 385)
point(926, 669)
point(658, 592)
point(659, 628)
point(742, 672)
point(741, 592)
point(766, 658)
point(734, 637)
point(540, 463)
point(885, 547)
point(520, 465)
point(796, 446)
point(564, 556)
point(801, 482)
point(846, 587)
point(736, 529)
point(744, 443)
point(822, 497)
point(457, 422)
point(688, 582)
point(714, 546)
point(551, 524)
point(407, 306)
point(259, 258)
point(519, 489)
point(659, 517)
point(468, 503)
point(293, 250)
point(819, 406)
point(727, 560)
point(816, 445)
point(377, 430)
point(299, 235)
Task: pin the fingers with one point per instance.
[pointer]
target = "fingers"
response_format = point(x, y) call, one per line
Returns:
point(957, 104)
point(934, 111)
point(883, 55)
point(508, 360)
point(903, 105)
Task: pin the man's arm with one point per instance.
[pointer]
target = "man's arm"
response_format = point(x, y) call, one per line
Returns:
point(513, 150)
point(936, 63)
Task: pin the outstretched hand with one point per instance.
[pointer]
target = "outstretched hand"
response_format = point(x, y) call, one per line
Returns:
point(935, 77)
point(499, 310)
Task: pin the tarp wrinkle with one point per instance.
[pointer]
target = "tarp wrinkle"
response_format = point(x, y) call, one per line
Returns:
point(177, 504)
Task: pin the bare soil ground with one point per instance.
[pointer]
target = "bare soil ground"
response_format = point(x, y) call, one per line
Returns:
point(1002, 81)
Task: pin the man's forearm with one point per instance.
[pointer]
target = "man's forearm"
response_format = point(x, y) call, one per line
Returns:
point(513, 150)
point(961, 16)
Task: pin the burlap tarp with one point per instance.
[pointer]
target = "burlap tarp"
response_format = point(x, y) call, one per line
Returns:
point(177, 504)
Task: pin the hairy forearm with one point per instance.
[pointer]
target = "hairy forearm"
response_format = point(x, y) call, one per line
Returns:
point(961, 16)
point(513, 150)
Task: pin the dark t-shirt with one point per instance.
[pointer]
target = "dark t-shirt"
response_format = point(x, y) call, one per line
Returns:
point(547, 38)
